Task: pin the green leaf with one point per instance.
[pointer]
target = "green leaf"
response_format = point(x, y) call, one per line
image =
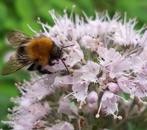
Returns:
point(25, 9)
point(65, 4)
point(86, 6)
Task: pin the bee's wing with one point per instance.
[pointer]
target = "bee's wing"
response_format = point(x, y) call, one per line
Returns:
point(12, 65)
point(15, 38)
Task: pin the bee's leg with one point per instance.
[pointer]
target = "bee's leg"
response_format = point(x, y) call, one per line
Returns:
point(51, 63)
point(32, 67)
point(65, 66)
point(42, 71)
point(64, 72)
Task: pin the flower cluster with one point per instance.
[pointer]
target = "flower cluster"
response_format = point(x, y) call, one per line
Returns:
point(107, 62)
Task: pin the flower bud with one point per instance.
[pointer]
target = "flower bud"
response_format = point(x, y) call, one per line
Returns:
point(113, 87)
point(92, 97)
point(92, 101)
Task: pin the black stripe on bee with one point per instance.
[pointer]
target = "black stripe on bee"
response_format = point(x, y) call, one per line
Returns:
point(21, 55)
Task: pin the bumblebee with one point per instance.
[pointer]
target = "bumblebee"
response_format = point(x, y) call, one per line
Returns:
point(35, 52)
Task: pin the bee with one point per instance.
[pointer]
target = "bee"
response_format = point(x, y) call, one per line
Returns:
point(35, 52)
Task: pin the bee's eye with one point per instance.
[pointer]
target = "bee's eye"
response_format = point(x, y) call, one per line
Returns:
point(36, 60)
point(56, 53)
point(59, 53)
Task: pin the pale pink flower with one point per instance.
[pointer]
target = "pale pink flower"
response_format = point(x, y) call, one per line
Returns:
point(143, 41)
point(38, 87)
point(109, 104)
point(74, 56)
point(82, 78)
point(87, 72)
point(23, 118)
point(113, 62)
point(90, 43)
point(63, 80)
point(133, 87)
point(80, 90)
point(67, 107)
point(126, 85)
point(125, 33)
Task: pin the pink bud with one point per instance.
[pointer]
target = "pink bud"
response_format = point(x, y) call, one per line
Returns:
point(92, 102)
point(113, 87)
point(92, 97)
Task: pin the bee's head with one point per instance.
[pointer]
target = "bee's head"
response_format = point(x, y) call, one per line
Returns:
point(56, 53)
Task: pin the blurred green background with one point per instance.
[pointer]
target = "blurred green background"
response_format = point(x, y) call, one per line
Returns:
point(16, 14)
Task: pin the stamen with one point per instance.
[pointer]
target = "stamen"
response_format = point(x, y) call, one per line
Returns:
point(117, 117)
point(31, 29)
point(99, 109)
point(72, 93)
point(81, 104)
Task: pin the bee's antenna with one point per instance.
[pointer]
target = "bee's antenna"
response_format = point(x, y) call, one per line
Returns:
point(62, 48)
point(65, 66)
point(67, 46)
point(63, 60)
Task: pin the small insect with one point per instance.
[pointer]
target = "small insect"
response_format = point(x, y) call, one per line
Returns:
point(36, 52)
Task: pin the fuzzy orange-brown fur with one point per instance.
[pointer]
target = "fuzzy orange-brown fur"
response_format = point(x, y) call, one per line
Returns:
point(39, 49)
